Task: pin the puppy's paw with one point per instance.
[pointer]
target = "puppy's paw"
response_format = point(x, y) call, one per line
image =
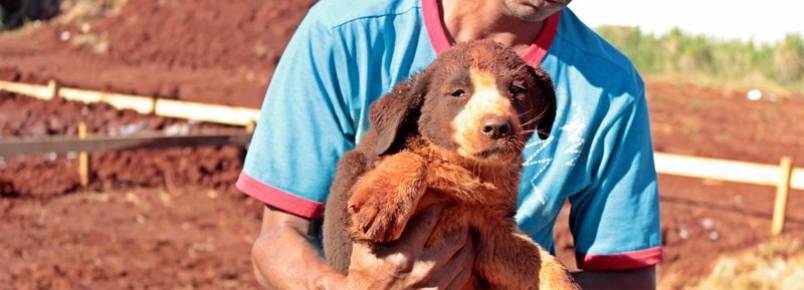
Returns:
point(383, 199)
point(379, 211)
point(373, 220)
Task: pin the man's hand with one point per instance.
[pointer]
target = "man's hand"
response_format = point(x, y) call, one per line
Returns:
point(406, 264)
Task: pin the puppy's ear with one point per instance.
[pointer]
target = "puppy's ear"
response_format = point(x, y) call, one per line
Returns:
point(548, 96)
point(391, 112)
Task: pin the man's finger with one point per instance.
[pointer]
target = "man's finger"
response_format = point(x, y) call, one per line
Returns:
point(461, 279)
point(465, 259)
point(442, 252)
point(454, 273)
point(420, 227)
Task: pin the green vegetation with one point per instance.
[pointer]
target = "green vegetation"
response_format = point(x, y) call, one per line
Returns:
point(3, 19)
point(776, 66)
point(15, 13)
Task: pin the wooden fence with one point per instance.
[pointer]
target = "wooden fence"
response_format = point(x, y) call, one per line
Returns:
point(783, 176)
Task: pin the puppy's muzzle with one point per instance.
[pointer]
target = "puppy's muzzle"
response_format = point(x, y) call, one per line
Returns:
point(496, 127)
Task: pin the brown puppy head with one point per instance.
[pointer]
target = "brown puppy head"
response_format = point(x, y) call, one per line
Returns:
point(477, 99)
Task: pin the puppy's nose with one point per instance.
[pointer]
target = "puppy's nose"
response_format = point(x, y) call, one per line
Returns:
point(496, 127)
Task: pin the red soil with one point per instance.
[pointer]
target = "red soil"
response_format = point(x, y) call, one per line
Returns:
point(170, 218)
point(201, 50)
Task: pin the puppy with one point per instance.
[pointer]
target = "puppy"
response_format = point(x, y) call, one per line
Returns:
point(451, 135)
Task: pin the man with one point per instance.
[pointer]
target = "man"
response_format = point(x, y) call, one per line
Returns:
point(345, 54)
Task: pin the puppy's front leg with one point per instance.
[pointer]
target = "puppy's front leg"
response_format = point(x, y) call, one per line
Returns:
point(384, 198)
point(508, 259)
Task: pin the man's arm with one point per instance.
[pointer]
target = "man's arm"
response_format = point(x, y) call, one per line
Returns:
point(634, 279)
point(284, 258)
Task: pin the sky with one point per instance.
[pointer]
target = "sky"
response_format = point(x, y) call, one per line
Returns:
point(759, 20)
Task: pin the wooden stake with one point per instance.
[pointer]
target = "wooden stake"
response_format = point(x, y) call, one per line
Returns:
point(153, 105)
point(782, 191)
point(83, 157)
point(54, 87)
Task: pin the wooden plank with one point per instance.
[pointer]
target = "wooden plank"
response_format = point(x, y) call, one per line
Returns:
point(141, 104)
point(782, 190)
point(16, 147)
point(725, 170)
point(797, 178)
point(36, 91)
point(229, 115)
point(206, 112)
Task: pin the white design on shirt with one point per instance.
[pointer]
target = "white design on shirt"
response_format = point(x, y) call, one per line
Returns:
point(533, 160)
point(575, 130)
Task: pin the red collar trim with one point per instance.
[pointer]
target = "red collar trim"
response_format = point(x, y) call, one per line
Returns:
point(533, 56)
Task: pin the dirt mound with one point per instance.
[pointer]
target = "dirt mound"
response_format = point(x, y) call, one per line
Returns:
point(201, 50)
point(53, 174)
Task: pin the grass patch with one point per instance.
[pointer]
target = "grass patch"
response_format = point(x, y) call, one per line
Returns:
point(778, 264)
point(83, 11)
point(704, 60)
point(66, 12)
point(16, 13)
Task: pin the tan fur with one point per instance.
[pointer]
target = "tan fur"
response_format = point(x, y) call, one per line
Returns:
point(485, 101)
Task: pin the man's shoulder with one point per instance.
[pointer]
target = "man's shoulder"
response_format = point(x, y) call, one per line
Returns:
point(597, 59)
point(334, 13)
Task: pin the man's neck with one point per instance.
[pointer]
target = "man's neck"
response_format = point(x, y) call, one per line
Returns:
point(472, 20)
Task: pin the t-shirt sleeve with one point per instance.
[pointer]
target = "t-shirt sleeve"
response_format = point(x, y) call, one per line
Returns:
point(615, 222)
point(304, 126)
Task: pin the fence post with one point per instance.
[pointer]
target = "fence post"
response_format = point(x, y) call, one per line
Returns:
point(83, 157)
point(153, 105)
point(54, 87)
point(782, 191)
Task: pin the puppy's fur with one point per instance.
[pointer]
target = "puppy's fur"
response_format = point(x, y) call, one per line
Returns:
point(452, 135)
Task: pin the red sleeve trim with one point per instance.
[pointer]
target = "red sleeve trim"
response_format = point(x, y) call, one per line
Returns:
point(278, 198)
point(621, 261)
point(438, 35)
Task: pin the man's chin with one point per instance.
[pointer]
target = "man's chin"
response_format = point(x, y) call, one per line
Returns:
point(547, 4)
point(534, 10)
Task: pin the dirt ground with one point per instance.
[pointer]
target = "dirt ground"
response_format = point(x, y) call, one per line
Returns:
point(188, 49)
point(192, 238)
point(176, 222)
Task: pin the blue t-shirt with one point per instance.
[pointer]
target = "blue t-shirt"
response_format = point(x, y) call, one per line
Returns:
point(599, 154)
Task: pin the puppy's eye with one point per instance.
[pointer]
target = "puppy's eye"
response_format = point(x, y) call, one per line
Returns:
point(457, 93)
point(516, 90)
